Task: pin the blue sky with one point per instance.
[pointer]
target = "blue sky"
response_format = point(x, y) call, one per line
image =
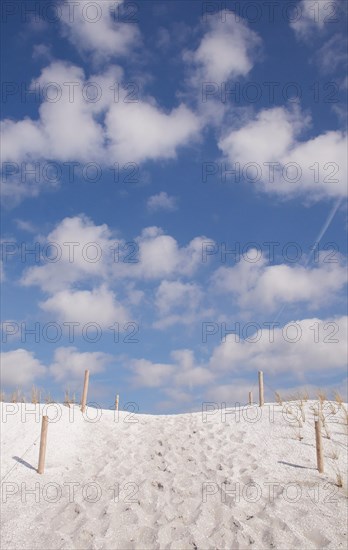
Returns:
point(162, 136)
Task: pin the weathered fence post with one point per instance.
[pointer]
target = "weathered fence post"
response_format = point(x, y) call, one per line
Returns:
point(85, 390)
point(43, 442)
point(261, 394)
point(319, 446)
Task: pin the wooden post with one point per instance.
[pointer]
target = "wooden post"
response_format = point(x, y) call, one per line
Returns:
point(117, 402)
point(250, 397)
point(261, 395)
point(85, 390)
point(319, 446)
point(43, 441)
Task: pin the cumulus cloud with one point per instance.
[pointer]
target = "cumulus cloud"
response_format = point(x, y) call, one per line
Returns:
point(300, 347)
point(77, 127)
point(142, 131)
point(182, 371)
point(177, 302)
point(21, 138)
point(76, 251)
point(69, 364)
point(333, 56)
point(171, 294)
point(309, 18)
point(231, 394)
point(253, 140)
point(81, 274)
point(82, 263)
point(147, 374)
point(99, 28)
point(284, 165)
point(20, 368)
point(161, 201)
point(227, 50)
point(160, 255)
point(82, 251)
point(66, 129)
point(188, 372)
point(87, 306)
point(26, 225)
point(258, 286)
point(176, 396)
point(85, 120)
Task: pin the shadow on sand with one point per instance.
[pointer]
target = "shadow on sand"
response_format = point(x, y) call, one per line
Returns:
point(21, 461)
point(295, 465)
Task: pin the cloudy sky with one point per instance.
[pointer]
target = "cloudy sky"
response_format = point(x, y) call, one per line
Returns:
point(174, 182)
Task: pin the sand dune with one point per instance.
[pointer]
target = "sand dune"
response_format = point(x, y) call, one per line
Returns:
point(172, 482)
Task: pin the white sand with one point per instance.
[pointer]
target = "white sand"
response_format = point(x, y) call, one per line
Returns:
point(164, 466)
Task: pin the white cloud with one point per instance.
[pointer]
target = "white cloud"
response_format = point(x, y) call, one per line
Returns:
point(21, 138)
point(172, 294)
point(65, 131)
point(26, 225)
point(87, 306)
point(141, 131)
point(83, 262)
point(69, 364)
point(237, 392)
point(82, 251)
point(258, 286)
point(177, 396)
point(252, 142)
point(42, 51)
point(72, 127)
point(187, 372)
point(161, 201)
point(316, 349)
point(149, 375)
point(97, 28)
point(179, 303)
point(333, 56)
point(81, 254)
point(19, 367)
point(80, 248)
point(160, 256)
point(69, 125)
point(317, 166)
point(227, 50)
point(182, 371)
point(310, 17)
point(301, 348)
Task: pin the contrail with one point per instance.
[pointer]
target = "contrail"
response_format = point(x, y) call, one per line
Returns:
point(325, 227)
point(316, 242)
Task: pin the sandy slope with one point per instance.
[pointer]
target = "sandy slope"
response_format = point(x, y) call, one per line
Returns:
point(167, 469)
